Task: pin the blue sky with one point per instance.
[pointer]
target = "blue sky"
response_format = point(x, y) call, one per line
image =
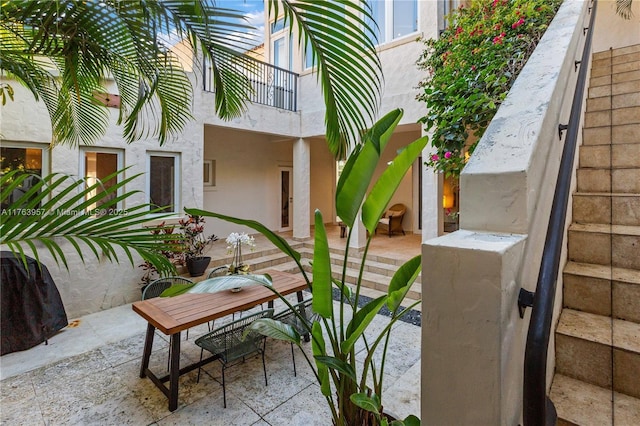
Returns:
point(254, 12)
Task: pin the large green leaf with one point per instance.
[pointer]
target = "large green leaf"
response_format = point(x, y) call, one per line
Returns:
point(275, 329)
point(337, 364)
point(366, 402)
point(318, 348)
point(358, 171)
point(401, 282)
point(387, 184)
point(221, 283)
point(322, 293)
point(360, 322)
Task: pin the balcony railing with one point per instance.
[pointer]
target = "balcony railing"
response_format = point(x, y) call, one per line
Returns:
point(269, 85)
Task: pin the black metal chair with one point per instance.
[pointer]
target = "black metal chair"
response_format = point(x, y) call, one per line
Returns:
point(230, 344)
point(218, 271)
point(289, 317)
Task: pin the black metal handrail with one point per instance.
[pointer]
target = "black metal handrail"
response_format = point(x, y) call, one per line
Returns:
point(537, 407)
point(271, 85)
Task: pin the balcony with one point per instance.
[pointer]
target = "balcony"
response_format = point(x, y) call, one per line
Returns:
point(270, 85)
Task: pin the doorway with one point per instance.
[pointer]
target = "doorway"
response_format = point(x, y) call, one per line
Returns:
point(286, 198)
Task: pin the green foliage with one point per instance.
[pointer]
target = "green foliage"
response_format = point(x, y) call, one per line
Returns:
point(353, 390)
point(58, 209)
point(471, 68)
point(65, 52)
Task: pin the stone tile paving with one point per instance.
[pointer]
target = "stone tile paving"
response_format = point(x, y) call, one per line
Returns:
point(101, 386)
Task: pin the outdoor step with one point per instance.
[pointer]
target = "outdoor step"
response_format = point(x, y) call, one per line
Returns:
point(584, 351)
point(625, 115)
point(606, 135)
point(587, 288)
point(605, 245)
point(372, 293)
point(610, 156)
point(623, 180)
point(580, 403)
point(605, 208)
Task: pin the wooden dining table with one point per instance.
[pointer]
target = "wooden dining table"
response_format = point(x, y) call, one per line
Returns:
point(172, 315)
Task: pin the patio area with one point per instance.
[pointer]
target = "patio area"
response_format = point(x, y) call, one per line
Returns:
point(89, 374)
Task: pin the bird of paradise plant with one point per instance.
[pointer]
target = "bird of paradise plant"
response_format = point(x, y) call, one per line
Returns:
point(352, 391)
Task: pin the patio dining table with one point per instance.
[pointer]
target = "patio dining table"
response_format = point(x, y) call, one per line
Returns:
point(172, 315)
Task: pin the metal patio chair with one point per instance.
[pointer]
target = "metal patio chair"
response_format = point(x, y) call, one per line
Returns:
point(289, 317)
point(230, 345)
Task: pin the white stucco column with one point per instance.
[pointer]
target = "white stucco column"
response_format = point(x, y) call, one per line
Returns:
point(432, 215)
point(301, 189)
point(472, 334)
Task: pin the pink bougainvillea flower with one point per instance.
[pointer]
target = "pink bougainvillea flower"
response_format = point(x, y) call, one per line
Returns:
point(435, 157)
point(497, 40)
point(517, 23)
point(447, 154)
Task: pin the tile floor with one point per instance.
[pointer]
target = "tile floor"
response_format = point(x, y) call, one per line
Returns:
point(88, 375)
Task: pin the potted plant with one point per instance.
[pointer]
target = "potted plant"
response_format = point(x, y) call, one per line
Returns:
point(195, 244)
point(353, 390)
point(235, 241)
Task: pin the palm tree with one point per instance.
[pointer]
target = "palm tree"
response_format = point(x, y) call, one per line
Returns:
point(64, 50)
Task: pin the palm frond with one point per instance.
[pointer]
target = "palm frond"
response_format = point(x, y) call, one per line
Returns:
point(56, 210)
point(623, 8)
point(344, 54)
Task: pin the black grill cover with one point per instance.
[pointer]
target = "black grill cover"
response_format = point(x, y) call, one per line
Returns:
point(32, 310)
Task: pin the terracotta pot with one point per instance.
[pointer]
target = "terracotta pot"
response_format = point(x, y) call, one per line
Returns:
point(197, 265)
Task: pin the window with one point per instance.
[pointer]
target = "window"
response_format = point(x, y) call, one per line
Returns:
point(164, 181)
point(395, 19)
point(209, 173)
point(95, 167)
point(28, 158)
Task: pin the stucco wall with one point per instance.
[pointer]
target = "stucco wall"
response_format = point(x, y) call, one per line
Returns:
point(323, 181)
point(247, 182)
point(612, 31)
point(473, 338)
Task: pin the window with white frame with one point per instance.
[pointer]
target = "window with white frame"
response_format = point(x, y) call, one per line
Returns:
point(29, 158)
point(163, 181)
point(96, 167)
point(281, 45)
point(395, 19)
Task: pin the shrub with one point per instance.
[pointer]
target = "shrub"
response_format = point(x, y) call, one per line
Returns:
point(471, 68)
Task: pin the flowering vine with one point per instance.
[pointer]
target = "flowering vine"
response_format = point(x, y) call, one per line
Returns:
point(471, 67)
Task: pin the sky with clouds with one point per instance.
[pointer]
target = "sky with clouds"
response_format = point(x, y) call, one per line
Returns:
point(254, 12)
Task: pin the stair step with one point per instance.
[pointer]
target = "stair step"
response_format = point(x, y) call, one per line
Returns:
point(584, 351)
point(580, 403)
point(598, 207)
point(602, 244)
point(625, 180)
point(587, 288)
point(610, 156)
point(606, 135)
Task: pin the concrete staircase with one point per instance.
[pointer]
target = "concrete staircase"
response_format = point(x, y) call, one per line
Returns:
point(377, 273)
point(597, 376)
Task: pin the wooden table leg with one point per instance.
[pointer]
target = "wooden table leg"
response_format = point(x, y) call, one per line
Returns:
point(174, 371)
point(146, 354)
